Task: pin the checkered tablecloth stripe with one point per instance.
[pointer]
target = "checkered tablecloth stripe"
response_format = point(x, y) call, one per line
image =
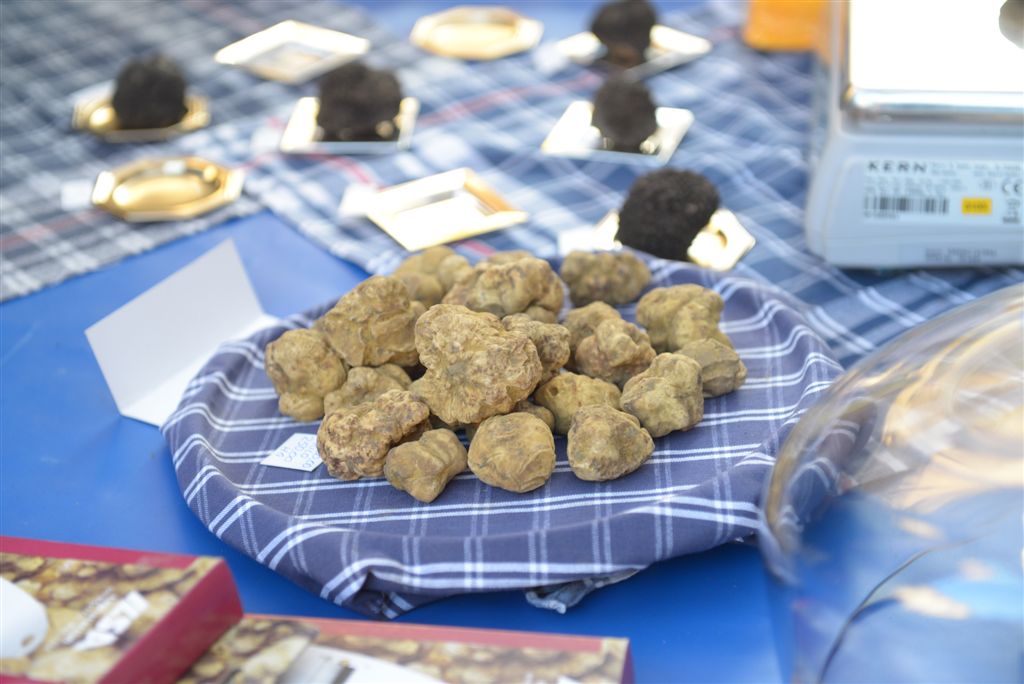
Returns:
point(368, 546)
point(54, 49)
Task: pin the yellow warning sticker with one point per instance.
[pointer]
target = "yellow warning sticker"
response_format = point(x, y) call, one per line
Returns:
point(977, 205)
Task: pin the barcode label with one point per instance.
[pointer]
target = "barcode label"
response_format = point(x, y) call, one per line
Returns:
point(876, 204)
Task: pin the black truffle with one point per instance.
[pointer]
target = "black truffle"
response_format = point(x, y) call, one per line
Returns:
point(150, 93)
point(624, 113)
point(625, 29)
point(665, 210)
point(358, 103)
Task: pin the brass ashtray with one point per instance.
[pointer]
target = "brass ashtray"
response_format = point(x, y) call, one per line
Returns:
point(166, 189)
point(669, 48)
point(97, 116)
point(719, 245)
point(303, 135)
point(574, 136)
point(292, 51)
point(448, 206)
point(476, 33)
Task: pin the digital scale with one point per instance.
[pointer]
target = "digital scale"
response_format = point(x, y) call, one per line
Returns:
point(917, 150)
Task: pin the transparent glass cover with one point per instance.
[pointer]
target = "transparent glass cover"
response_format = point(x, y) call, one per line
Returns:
point(893, 523)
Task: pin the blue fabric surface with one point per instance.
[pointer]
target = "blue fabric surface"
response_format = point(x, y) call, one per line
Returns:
point(373, 548)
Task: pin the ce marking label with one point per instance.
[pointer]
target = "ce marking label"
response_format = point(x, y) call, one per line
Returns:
point(1012, 186)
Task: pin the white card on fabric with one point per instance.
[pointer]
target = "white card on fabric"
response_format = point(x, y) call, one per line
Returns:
point(150, 348)
point(297, 453)
point(76, 194)
point(356, 201)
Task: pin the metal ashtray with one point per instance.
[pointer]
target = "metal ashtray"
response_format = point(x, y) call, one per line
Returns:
point(477, 33)
point(303, 135)
point(97, 116)
point(719, 245)
point(574, 136)
point(292, 51)
point(441, 208)
point(669, 48)
point(166, 189)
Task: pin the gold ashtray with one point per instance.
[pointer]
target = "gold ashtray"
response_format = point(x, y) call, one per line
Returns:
point(97, 116)
point(669, 48)
point(166, 189)
point(302, 135)
point(574, 136)
point(292, 51)
point(448, 206)
point(477, 33)
point(719, 245)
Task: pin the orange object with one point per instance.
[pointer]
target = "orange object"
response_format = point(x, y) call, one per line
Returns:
point(783, 25)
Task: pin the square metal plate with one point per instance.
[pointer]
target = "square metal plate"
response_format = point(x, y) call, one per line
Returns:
point(441, 208)
point(302, 135)
point(292, 51)
point(574, 136)
point(669, 48)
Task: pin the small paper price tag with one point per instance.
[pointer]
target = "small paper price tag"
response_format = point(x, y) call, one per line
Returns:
point(76, 194)
point(355, 203)
point(297, 453)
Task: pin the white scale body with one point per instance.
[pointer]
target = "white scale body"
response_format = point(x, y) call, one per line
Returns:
point(917, 151)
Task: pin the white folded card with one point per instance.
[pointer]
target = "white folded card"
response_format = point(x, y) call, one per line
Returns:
point(150, 348)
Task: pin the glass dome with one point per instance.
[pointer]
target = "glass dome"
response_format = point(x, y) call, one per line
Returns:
point(893, 522)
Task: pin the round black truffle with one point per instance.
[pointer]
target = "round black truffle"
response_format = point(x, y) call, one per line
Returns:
point(624, 113)
point(625, 29)
point(150, 93)
point(665, 210)
point(358, 103)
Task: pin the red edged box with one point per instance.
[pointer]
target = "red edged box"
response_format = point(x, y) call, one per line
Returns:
point(84, 614)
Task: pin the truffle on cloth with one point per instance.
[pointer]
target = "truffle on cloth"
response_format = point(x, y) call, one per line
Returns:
point(358, 103)
point(567, 393)
point(475, 367)
point(424, 467)
point(514, 452)
point(665, 210)
point(366, 383)
point(610, 277)
point(676, 315)
point(616, 351)
point(303, 369)
point(625, 29)
point(354, 442)
point(524, 285)
point(551, 340)
point(581, 323)
point(605, 443)
point(431, 273)
point(150, 93)
point(722, 371)
point(373, 324)
point(624, 113)
point(667, 396)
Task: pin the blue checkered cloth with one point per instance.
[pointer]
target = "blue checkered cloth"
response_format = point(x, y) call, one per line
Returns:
point(373, 548)
point(52, 50)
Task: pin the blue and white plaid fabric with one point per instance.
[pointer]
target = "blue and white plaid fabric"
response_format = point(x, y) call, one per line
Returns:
point(366, 545)
point(52, 50)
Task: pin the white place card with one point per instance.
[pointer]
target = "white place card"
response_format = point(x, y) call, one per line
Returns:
point(152, 347)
